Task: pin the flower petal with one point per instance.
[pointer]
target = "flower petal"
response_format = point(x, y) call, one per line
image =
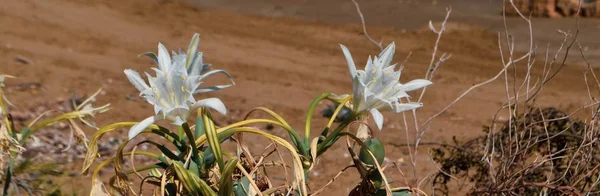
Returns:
point(377, 117)
point(213, 103)
point(135, 79)
point(349, 60)
point(164, 60)
point(387, 54)
point(151, 55)
point(141, 126)
point(212, 72)
point(416, 84)
point(401, 107)
point(212, 88)
point(192, 49)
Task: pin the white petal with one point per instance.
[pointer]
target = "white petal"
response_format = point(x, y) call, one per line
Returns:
point(151, 55)
point(141, 126)
point(192, 49)
point(407, 106)
point(377, 117)
point(349, 60)
point(217, 71)
point(135, 79)
point(164, 60)
point(213, 103)
point(416, 84)
point(212, 88)
point(177, 115)
point(387, 54)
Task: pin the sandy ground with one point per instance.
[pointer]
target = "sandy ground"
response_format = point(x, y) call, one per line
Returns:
point(282, 54)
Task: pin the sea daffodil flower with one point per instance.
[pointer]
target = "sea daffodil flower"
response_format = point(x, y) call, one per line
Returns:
point(377, 88)
point(171, 91)
point(193, 61)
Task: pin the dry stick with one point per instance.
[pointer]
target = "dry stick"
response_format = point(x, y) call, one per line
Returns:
point(458, 181)
point(401, 173)
point(284, 167)
point(429, 76)
point(435, 49)
point(475, 86)
point(529, 60)
point(332, 180)
point(410, 151)
point(511, 48)
point(362, 20)
point(589, 69)
point(567, 51)
point(548, 143)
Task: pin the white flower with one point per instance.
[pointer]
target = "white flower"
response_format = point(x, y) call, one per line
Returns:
point(193, 62)
point(377, 88)
point(171, 91)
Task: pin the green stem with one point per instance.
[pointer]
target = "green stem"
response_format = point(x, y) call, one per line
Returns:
point(333, 136)
point(190, 137)
point(9, 172)
point(311, 110)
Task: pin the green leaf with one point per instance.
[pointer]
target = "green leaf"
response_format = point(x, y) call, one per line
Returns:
point(163, 149)
point(185, 177)
point(199, 129)
point(241, 187)
point(213, 140)
point(195, 155)
point(376, 147)
point(401, 192)
point(376, 179)
point(226, 181)
point(171, 137)
point(311, 110)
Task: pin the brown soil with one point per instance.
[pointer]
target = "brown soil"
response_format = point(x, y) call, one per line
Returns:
point(282, 54)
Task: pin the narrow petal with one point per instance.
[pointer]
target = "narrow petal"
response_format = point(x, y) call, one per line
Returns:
point(416, 84)
point(217, 71)
point(135, 79)
point(387, 54)
point(192, 49)
point(212, 88)
point(141, 126)
point(151, 55)
point(213, 103)
point(349, 60)
point(401, 107)
point(164, 60)
point(177, 115)
point(377, 117)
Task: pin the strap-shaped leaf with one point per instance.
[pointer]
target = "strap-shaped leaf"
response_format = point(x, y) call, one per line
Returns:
point(213, 140)
point(184, 176)
point(226, 181)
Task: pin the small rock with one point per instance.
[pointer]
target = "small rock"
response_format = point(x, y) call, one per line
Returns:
point(269, 127)
point(315, 173)
point(24, 60)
